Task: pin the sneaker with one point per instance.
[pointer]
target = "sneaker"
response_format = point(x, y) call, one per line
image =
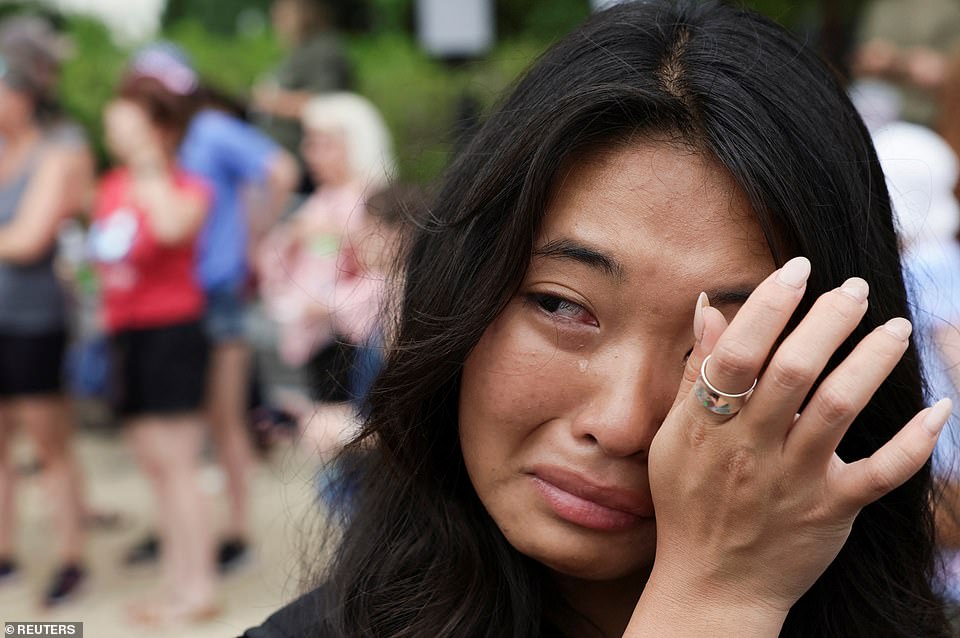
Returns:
point(232, 554)
point(65, 585)
point(146, 551)
point(8, 570)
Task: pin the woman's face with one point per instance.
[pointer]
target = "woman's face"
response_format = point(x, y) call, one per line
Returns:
point(566, 389)
point(325, 151)
point(127, 131)
point(16, 109)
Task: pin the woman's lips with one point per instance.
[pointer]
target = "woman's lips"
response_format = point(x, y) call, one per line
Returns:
point(576, 499)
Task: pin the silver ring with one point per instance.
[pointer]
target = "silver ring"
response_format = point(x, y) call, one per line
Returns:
point(718, 401)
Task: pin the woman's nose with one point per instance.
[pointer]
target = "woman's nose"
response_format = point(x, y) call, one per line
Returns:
point(629, 400)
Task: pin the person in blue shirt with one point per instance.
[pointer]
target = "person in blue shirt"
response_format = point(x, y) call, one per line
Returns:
point(252, 178)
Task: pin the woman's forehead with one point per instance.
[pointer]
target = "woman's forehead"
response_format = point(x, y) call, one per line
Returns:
point(655, 200)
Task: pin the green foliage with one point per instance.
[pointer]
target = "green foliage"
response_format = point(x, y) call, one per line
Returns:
point(543, 20)
point(90, 77)
point(216, 16)
point(231, 63)
point(417, 95)
point(391, 16)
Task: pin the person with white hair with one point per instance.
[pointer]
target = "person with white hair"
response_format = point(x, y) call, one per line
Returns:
point(308, 288)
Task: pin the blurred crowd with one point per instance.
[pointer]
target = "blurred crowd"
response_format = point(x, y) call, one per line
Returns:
point(136, 286)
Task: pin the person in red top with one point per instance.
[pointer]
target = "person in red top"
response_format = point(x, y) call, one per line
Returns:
point(146, 220)
point(147, 282)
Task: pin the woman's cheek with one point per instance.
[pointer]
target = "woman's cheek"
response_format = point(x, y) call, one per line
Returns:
point(519, 371)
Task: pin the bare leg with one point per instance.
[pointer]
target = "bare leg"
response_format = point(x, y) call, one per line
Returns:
point(168, 448)
point(7, 483)
point(226, 410)
point(145, 439)
point(47, 422)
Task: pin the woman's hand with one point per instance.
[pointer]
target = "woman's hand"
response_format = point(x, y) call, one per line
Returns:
point(752, 508)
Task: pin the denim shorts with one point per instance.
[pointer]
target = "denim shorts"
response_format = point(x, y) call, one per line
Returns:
point(226, 313)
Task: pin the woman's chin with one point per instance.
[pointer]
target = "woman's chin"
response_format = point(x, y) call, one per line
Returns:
point(590, 556)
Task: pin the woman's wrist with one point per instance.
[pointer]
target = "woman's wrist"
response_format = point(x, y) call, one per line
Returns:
point(679, 605)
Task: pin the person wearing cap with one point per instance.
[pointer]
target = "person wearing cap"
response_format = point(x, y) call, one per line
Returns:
point(45, 176)
point(233, 157)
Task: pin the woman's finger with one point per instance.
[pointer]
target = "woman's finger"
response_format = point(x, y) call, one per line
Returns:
point(860, 483)
point(743, 348)
point(709, 324)
point(714, 324)
point(802, 357)
point(846, 391)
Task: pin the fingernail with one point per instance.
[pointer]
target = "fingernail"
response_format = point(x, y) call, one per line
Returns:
point(899, 328)
point(702, 302)
point(856, 288)
point(937, 417)
point(795, 272)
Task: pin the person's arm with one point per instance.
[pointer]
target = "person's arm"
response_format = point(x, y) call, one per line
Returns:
point(947, 505)
point(278, 102)
point(318, 66)
point(49, 198)
point(174, 215)
point(673, 606)
point(268, 200)
point(268, 173)
point(71, 141)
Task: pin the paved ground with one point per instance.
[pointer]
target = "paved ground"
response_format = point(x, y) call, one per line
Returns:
point(283, 515)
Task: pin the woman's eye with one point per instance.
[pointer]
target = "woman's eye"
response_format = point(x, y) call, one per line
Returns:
point(563, 309)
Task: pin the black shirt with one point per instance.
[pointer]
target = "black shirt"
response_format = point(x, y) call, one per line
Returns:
point(305, 618)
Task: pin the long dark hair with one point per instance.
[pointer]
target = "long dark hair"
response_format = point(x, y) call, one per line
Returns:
point(416, 553)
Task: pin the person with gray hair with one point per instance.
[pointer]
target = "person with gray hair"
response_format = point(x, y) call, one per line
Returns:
point(44, 178)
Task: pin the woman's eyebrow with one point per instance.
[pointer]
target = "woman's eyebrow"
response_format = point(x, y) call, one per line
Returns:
point(566, 249)
point(729, 296)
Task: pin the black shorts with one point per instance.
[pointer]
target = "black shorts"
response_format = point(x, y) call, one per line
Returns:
point(31, 364)
point(158, 371)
